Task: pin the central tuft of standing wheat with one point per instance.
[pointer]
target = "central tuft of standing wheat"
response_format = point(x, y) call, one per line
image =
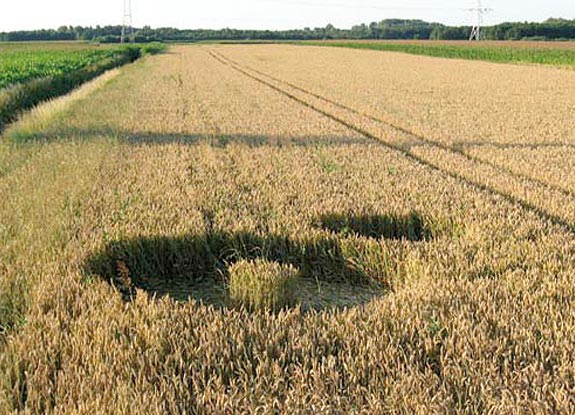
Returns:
point(263, 285)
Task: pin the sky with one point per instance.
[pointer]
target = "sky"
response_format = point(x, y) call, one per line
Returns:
point(267, 14)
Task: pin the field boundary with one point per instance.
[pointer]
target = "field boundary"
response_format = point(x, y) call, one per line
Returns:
point(19, 97)
point(41, 116)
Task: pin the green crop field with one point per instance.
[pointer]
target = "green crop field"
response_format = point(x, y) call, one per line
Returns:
point(32, 72)
point(52, 46)
point(21, 66)
point(559, 54)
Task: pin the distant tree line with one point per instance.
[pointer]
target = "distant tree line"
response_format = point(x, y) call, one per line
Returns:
point(551, 29)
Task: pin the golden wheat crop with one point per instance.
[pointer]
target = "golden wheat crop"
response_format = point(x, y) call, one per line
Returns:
point(537, 190)
point(552, 164)
point(450, 101)
point(263, 285)
point(431, 281)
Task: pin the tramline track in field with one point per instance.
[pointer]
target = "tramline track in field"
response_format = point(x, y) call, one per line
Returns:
point(541, 198)
point(458, 149)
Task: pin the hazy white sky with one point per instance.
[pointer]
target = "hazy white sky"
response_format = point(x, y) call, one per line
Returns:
point(266, 14)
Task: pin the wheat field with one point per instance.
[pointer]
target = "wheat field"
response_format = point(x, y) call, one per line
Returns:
point(422, 211)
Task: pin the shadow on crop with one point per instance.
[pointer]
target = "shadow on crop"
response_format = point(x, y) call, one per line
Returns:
point(411, 227)
point(156, 138)
point(464, 145)
point(196, 266)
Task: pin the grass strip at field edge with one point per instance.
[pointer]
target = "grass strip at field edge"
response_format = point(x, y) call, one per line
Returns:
point(22, 96)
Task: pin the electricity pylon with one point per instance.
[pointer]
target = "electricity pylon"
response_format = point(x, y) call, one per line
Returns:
point(476, 32)
point(127, 29)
